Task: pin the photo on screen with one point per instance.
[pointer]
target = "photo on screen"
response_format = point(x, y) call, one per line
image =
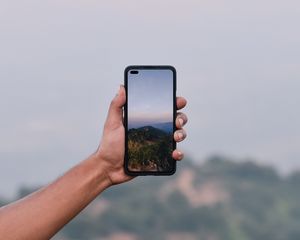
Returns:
point(150, 120)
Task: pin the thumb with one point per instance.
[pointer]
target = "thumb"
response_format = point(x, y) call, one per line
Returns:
point(115, 112)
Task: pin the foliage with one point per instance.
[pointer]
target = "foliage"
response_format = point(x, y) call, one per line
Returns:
point(260, 205)
point(149, 149)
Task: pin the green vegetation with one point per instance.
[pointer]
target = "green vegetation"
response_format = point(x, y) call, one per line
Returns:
point(221, 200)
point(149, 149)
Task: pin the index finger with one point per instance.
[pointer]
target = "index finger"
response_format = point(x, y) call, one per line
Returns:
point(180, 102)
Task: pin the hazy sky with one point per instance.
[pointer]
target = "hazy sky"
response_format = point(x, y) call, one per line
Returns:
point(150, 97)
point(61, 63)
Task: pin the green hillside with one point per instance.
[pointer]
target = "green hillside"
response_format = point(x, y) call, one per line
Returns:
point(219, 200)
point(149, 149)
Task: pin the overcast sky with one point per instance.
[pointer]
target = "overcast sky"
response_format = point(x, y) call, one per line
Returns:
point(150, 97)
point(61, 62)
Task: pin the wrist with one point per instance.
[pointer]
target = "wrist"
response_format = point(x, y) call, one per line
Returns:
point(97, 172)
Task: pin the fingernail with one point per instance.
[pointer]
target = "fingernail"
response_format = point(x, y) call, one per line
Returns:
point(180, 154)
point(180, 135)
point(180, 120)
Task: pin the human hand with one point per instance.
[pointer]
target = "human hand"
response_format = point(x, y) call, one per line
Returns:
point(111, 150)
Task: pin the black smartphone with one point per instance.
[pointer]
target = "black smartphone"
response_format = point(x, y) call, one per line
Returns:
point(149, 120)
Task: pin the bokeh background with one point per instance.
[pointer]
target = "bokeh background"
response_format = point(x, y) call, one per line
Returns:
point(238, 62)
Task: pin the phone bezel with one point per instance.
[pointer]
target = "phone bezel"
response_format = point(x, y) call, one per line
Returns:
point(151, 67)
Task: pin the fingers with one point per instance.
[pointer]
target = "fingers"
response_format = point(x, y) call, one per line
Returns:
point(181, 120)
point(179, 135)
point(115, 112)
point(177, 155)
point(180, 102)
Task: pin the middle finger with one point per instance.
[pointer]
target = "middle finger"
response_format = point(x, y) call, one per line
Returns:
point(181, 120)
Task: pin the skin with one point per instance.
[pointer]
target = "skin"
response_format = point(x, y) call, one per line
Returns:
point(43, 213)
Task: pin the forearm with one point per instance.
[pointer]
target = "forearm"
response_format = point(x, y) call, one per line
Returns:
point(45, 212)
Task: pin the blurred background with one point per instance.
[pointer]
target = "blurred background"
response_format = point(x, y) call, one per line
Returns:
point(238, 62)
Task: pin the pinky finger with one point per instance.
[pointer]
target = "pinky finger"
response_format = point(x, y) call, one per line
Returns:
point(177, 155)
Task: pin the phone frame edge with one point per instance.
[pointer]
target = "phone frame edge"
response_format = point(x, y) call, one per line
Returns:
point(125, 165)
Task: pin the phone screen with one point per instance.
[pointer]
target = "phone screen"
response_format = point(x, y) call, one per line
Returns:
point(149, 118)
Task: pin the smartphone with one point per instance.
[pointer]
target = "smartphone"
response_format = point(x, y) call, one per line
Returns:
point(149, 120)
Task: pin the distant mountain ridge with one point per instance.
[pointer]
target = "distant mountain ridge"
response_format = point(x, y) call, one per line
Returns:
point(148, 133)
point(164, 126)
point(219, 200)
